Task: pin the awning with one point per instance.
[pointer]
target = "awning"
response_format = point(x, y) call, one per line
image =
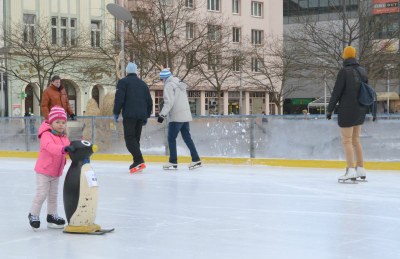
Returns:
point(383, 96)
point(320, 102)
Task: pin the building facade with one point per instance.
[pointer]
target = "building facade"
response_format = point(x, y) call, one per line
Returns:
point(250, 22)
point(71, 29)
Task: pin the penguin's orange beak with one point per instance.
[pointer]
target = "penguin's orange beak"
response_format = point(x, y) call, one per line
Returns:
point(94, 148)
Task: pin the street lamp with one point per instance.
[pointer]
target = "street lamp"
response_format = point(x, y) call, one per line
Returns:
point(388, 67)
point(2, 97)
point(122, 14)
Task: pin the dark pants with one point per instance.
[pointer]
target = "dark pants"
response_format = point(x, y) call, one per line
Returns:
point(173, 131)
point(132, 133)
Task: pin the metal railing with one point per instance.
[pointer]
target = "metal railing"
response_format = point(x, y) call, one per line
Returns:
point(256, 136)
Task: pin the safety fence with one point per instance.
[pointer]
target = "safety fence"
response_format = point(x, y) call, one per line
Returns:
point(258, 136)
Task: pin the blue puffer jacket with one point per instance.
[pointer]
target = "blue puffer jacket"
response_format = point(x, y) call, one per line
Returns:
point(133, 97)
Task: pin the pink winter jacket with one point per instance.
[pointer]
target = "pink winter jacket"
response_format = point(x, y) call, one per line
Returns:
point(51, 159)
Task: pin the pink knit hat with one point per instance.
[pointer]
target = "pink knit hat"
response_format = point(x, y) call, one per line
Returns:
point(57, 113)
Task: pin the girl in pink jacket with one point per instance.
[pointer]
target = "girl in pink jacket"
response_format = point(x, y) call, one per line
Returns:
point(54, 144)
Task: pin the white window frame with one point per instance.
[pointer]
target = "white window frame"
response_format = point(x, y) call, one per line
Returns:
point(236, 34)
point(214, 32)
point(236, 6)
point(189, 4)
point(63, 34)
point(214, 60)
point(95, 34)
point(256, 65)
point(189, 30)
point(214, 5)
point(256, 9)
point(236, 64)
point(257, 37)
point(29, 27)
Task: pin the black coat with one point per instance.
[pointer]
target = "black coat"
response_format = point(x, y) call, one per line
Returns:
point(133, 97)
point(350, 111)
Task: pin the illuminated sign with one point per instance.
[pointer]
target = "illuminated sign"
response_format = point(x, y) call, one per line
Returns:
point(385, 6)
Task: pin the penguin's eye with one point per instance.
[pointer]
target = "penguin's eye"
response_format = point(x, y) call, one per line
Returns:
point(86, 143)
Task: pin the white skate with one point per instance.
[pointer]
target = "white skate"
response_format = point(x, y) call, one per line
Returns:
point(194, 165)
point(350, 174)
point(362, 174)
point(170, 166)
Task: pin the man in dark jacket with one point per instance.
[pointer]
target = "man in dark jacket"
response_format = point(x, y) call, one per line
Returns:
point(351, 114)
point(133, 97)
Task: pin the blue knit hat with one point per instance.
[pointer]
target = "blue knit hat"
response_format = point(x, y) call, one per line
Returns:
point(165, 73)
point(131, 68)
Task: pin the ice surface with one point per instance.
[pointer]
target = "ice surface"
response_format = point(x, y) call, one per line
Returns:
point(216, 211)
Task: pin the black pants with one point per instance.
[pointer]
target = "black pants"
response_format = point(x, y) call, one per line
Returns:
point(132, 133)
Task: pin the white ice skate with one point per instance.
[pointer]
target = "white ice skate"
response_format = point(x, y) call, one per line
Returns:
point(361, 174)
point(350, 174)
point(194, 165)
point(170, 166)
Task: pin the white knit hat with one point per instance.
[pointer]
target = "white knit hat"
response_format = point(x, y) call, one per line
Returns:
point(165, 73)
point(131, 68)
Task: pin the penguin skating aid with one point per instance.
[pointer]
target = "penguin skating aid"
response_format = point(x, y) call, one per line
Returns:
point(81, 192)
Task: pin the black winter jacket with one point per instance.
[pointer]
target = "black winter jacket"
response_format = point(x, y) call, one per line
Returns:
point(133, 97)
point(350, 111)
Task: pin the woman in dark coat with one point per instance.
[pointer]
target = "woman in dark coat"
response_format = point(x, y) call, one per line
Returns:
point(351, 114)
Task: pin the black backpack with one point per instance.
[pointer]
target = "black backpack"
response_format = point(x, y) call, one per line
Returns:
point(366, 95)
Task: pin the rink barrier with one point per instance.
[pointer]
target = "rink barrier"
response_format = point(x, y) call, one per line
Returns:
point(370, 165)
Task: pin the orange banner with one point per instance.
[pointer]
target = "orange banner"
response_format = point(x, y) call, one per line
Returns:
point(385, 6)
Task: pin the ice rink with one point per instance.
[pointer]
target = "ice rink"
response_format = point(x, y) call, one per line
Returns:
point(216, 211)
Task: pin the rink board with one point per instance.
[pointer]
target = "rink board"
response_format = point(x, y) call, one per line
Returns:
point(371, 165)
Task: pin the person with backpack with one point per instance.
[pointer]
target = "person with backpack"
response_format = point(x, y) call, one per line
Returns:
point(351, 113)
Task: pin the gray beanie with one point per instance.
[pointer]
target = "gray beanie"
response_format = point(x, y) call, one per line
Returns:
point(131, 68)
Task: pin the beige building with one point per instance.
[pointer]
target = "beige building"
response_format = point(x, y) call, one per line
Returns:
point(66, 20)
point(251, 22)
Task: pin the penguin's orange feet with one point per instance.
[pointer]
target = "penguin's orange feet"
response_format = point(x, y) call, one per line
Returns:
point(137, 168)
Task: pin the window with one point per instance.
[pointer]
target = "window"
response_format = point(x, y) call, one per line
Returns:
point(256, 64)
point(214, 32)
point(213, 5)
point(95, 34)
point(65, 31)
point(256, 9)
point(29, 27)
point(189, 30)
point(236, 6)
point(236, 34)
point(236, 64)
point(166, 2)
point(190, 59)
point(72, 31)
point(54, 30)
point(189, 3)
point(214, 61)
point(257, 37)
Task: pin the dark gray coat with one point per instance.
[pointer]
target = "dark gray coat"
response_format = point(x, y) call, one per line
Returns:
point(350, 111)
point(133, 97)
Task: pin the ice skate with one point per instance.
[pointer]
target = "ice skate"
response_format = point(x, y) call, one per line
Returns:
point(138, 168)
point(350, 174)
point(170, 166)
point(54, 221)
point(361, 174)
point(194, 165)
point(34, 221)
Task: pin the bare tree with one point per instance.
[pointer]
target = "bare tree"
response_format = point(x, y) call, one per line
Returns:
point(320, 44)
point(33, 55)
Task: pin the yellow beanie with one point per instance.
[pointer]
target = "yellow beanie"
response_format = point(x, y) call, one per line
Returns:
point(349, 52)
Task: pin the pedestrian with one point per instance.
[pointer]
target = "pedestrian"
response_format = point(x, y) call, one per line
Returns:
point(55, 94)
point(351, 114)
point(176, 107)
point(54, 145)
point(133, 97)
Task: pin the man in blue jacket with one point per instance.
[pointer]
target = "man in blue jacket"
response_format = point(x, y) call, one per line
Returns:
point(133, 97)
